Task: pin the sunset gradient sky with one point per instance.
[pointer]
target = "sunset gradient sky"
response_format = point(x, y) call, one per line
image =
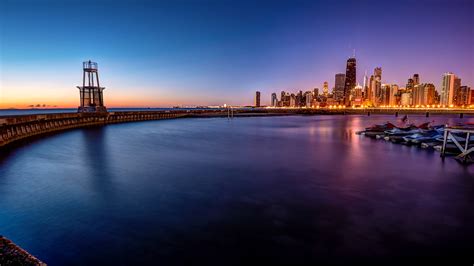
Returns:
point(158, 54)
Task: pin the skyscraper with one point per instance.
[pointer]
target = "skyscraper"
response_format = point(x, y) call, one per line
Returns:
point(365, 87)
point(457, 96)
point(274, 100)
point(394, 99)
point(405, 99)
point(378, 73)
point(316, 92)
point(462, 95)
point(385, 94)
point(447, 89)
point(430, 92)
point(309, 98)
point(257, 99)
point(285, 99)
point(410, 85)
point(300, 99)
point(418, 94)
point(292, 100)
point(325, 89)
point(371, 94)
point(416, 79)
point(350, 81)
point(339, 87)
point(376, 84)
point(423, 94)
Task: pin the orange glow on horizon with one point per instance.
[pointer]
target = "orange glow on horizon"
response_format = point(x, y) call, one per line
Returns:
point(117, 100)
point(24, 97)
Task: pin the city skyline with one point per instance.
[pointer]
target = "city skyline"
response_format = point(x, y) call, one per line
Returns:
point(184, 54)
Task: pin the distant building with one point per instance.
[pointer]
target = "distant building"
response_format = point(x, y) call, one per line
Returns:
point(274, 100)
point(430, 94)
point(309, 98)
point(417, 95)
point(471, 97)
point(357, 98)
point(257, 99)
point(300, 102)
point(315, 93)
point(462, 95)
point(325, 89)
point(330, 101)
point(447, 89)
point(365, 87)
point(339, 86)
point(410, 85)
point(393, 97)
point(405, 99)
point(292, 100)
point(423, 94)
point(385, 94)
point(416, 79)
point(371, 95)
point(376, 83)
point(350, 81)
point(285, 99)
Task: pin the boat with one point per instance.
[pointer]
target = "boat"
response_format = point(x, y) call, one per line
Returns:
point(425, 136)
point(378, 130)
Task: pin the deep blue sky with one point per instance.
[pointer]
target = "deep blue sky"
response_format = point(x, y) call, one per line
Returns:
point(153, 53)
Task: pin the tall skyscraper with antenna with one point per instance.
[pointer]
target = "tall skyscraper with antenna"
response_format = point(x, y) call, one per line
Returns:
point(350, 81)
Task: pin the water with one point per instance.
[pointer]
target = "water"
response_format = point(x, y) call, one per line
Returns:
point(269, 190)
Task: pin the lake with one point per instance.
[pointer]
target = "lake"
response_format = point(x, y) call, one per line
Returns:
point(269, 190)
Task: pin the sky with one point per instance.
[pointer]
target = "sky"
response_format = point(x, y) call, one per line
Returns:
point(196, 52)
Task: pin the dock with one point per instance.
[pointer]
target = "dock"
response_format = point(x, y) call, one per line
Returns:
point(460, 136)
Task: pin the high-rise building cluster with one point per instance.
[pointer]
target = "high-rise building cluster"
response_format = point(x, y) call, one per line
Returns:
point(375, 93)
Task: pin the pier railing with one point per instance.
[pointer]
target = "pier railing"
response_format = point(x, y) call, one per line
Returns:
point(460, 136)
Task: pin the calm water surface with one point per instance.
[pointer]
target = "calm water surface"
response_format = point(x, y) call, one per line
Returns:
point(274, 190)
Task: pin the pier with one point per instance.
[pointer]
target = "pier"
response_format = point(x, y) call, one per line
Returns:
point(14, 128)
point(11, 254)
point(464, 147)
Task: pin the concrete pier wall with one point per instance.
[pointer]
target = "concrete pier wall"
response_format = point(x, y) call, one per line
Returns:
point(11, 254)
point(15, 128)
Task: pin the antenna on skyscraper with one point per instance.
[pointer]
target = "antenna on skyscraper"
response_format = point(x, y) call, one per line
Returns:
point(354, 53)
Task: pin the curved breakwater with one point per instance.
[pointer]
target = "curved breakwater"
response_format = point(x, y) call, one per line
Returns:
point(20, 127)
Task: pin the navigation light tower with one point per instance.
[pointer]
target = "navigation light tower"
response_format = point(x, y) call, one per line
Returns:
point(91, 93)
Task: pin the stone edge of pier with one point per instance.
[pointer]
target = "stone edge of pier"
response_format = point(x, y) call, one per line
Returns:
point(11, 254)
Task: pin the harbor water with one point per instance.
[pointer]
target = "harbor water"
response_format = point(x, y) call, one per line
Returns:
point(211, 191)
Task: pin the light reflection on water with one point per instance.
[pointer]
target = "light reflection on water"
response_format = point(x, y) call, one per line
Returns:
point(284, 190)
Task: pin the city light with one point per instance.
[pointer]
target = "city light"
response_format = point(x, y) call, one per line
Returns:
point(347, 94)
